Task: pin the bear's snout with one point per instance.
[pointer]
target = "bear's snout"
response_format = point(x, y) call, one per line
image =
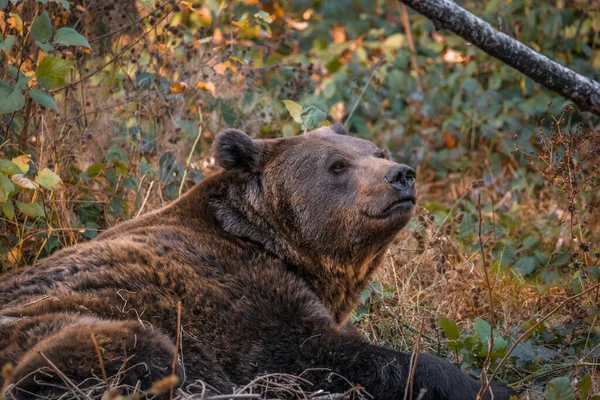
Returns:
point(401, 177)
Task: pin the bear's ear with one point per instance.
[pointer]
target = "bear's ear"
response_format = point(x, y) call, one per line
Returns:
point(339, 129)
point(234, 149)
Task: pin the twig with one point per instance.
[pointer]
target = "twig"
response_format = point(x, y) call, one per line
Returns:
point(64, 377)
point(70, 85)
point(364, 89)
point(189, 159)
point(413, 366)
point(411, 44)
point(177, 340)
point(488, 358)
point(145, 200)
point(99, 358)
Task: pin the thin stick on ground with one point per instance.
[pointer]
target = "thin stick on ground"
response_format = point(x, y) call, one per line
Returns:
point(408, 392)
point(99, 359)
point(486, 364)
point(177, 341)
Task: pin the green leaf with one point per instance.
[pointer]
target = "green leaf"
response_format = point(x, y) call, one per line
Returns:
point(41, 28)
point(8, 209)
point(394, 42)
point(94, 170)
point(9, 168)
point(43, 98)
point(8, 43)
point(52, 72)
point(559, 389)
point(450, 328)
point(595, 271)
point(48, 179)
point(312, 117)
point(526, 265)
point(483, 330)
point(11, 100)
point(33, 210)
point(6, 186)
point(70, 37)
point(46, 47)
point(294, 109)
point(585, 386)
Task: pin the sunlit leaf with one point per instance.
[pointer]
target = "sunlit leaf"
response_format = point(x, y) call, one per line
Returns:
point(22, 162)
point(177, 88)
point(14, 256)
point(33, 210)
point(9, 168)
point(207, 86)
point(224, 66)
point(450, 328)
point(15, 22)
point(294, 109)
point(47, 179)
point(52, 72)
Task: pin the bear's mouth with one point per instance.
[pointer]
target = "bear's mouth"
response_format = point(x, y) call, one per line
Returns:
point(403, 205)
point(404, 202)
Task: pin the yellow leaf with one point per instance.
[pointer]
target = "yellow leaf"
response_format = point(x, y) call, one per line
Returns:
point(299, 26)
point(15, 22)
point(205, 16)
point(217, 38)
point(294, 109)
point(339, 34)
point(207, 86)
point(14, 256)
point(222, 67)
point(394, 42)
point(47, 179)
point(177, 87)
point(23, 162)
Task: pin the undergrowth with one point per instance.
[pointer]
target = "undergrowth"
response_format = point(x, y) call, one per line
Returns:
point(108, 110)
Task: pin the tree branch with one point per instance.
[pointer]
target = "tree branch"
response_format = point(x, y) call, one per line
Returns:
point(584, 92)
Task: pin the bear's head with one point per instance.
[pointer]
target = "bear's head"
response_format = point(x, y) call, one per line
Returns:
point(333, 201)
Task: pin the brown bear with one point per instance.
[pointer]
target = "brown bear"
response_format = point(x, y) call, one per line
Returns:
point(268, 259)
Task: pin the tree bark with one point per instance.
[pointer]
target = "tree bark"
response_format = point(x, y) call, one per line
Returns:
point(584, 92)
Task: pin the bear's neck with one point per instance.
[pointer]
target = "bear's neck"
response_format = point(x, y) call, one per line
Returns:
point(337, 280)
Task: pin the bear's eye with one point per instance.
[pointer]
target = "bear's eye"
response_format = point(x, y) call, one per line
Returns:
point(380, 154)
point(337, 167)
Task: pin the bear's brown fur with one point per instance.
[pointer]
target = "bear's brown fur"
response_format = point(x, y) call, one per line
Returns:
point(268, 259)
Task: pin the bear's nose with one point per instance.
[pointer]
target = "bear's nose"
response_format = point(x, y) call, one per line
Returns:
point(401, 175)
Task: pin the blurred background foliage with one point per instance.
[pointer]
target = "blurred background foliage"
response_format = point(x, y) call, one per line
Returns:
point(108, 110)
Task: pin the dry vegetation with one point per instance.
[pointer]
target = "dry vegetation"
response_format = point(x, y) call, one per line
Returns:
point(509, 223)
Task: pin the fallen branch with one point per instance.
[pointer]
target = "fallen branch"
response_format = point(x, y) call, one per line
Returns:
point(584, 92)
